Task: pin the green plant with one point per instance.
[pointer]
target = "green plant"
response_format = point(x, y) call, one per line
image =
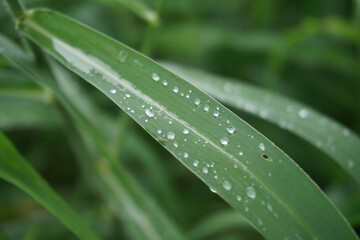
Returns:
point(269, 190)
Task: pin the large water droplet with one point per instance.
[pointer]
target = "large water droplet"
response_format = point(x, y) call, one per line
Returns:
point(224, 141)
point(250, 192)
point(155, 77)
point(227, 185)
point(206, 107)
point(262, 146)
point(170, 135)
point(216, 114)
point(197, 101)
point(231, 129)
point(149, 113)
point(303, 113)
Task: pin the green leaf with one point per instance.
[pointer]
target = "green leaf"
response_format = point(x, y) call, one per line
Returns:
point(142, 216)
point(334, 139)
point(205, 136)
point(14, 169)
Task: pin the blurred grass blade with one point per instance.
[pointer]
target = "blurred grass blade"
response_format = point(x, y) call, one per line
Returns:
point(221, 221)
point(236, 161)
point(14, 169)
point(138, 7)
point(334, 139)
point(129, 201)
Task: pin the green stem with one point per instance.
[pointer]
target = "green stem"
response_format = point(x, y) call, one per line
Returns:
point(16, 9)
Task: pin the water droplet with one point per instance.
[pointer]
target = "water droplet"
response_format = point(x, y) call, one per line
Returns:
point(206, 107)
point(127, 95)
point(250, 192)
point(205, 170)
point(238, 197)
point(269, 207)
point(175, 89)
point(227, 185)
point(197, 101)
point(170, 135)
point(224, 141)
point(241, 153)
point(186, 155)
point(187, 96)
point(213, 190)
point(155, 77)
point(262, 146)
point(196, 163)
point(122, 56)
point(186, 131)
point(165, 83)
point(231, 129)
point(149, 113)
point(303, 113)
point(113, 91)
point(159, 131)
point(175, 144)
point(216, 114)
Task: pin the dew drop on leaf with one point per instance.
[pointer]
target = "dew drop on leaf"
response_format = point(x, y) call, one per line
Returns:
point(155, 77)
point(170, 135)
point(250, 192)
point(227, 185)
point(113, 91)
point(197, 101)
point(149, 113)
point(231, 129)
point(262, 146)
point(224, 141)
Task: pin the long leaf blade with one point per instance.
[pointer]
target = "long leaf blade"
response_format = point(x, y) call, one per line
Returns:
point(14, 169)
point(259, 182)
point(334, 139)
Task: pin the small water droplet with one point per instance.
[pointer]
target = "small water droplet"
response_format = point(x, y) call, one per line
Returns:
point(170, 135)
point(262, 146)
point(149, 113)
point(224, 141)
point(206, 107)
point(196, 163)
point(241, 153)
point(155, 77)
point(238, 197)
point(205, 170)
point(227, 185)
point(186, 131)
point(113, 91)
point(127, 95)
point(231, 129)
point(165, 83)
point(303, 113)
point(175, 144)
point(159, 131)
point(197, 101)
point(175, 89)
point(186, 155)
point(250, 192)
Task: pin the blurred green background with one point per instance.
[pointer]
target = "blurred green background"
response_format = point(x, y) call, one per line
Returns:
point(306, 50)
